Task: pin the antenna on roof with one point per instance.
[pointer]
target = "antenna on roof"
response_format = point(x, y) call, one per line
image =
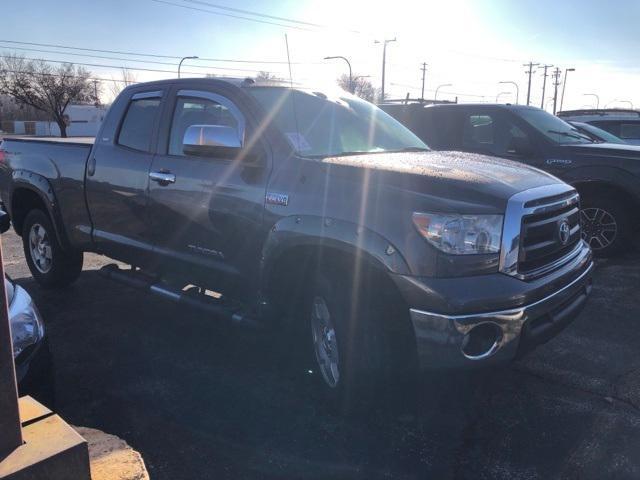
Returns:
point(293, 96)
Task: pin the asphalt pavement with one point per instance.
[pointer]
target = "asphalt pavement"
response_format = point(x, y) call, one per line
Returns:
point(201, 400)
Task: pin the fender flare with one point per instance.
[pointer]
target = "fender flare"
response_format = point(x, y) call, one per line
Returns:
point(615, 177)
point(40, 185)
point(314, 231)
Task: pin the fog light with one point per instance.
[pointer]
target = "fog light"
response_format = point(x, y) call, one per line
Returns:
point(481, 341)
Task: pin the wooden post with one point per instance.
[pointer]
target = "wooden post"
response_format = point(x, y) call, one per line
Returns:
point(10, 430)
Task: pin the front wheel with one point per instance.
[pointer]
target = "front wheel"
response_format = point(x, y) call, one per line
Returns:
point(50, 264)
point(350, 348)
point(606, 225)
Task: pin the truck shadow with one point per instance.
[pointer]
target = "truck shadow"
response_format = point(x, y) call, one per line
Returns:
point(200, 399)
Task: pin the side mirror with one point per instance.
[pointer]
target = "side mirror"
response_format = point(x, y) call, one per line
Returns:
point(211, 141)
point(5, 221)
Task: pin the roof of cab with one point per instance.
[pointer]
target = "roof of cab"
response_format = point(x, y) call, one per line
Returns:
point(236, 81)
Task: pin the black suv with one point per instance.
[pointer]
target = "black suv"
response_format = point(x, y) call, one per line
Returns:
point(605, 174)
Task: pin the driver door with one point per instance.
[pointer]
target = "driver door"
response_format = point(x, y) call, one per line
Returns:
point(207, 210)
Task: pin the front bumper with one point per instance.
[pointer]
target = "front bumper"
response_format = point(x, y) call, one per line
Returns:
point(441, 339)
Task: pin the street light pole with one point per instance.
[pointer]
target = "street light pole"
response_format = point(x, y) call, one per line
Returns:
point(515, 85)
point(564, 85)
point(435, 96)
point(384, 62)
point(349, 65)
point(500, 94)
point(182, 60)
point(593, 95)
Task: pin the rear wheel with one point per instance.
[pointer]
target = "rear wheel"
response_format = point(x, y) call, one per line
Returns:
point(50, 264)
point(606, 225)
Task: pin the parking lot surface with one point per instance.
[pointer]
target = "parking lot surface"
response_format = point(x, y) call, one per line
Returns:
point(199, 399)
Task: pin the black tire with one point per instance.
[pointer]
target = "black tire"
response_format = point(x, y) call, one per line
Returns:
point(363, 344)
point(63, 267)
point(606, 224)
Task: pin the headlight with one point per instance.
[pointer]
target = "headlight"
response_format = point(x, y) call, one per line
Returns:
point(26, 325)
point(461, 234)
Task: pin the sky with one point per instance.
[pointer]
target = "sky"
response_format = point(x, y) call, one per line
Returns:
point(471, 44)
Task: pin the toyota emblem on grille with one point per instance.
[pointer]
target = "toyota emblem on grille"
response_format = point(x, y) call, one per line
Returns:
point(564, 232)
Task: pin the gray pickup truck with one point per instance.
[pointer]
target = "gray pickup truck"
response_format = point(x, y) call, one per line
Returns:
point(309, 211)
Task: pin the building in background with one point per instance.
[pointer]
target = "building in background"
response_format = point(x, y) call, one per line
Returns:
point(83, 121)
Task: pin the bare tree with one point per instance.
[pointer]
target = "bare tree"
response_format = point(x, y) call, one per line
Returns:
point(267, 77)
point(118, 84)
point(45, 88)
point(362, 87)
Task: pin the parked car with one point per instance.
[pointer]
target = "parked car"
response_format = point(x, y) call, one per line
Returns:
point(605, 174)
point(624, 124)
point(309, 211)
point(596, 134)
point(34, 366)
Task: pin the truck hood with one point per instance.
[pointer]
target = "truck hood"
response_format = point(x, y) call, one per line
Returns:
point(604, 150)
point(450, 178)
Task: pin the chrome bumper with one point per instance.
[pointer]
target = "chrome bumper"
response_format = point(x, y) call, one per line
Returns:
point(440, 338)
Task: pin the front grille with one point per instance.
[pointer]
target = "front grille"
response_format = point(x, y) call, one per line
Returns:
point(541, 242)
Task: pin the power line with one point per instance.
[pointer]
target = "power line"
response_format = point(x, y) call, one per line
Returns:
point(256, 14)
point(98, 79)
point(138, 54)
point(155, 62)
point(234, 16)
point(98, 65)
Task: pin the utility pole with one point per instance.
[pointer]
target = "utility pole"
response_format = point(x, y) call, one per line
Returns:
point(529, 72)
point(544, 84)
point(556, 82)
point(424, 71)
point(95, 93)
point(384, 62)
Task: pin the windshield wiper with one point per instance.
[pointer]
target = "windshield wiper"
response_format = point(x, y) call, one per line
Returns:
point(571, 135)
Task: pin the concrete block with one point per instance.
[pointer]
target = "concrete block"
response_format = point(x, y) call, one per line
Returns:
point(52, 450)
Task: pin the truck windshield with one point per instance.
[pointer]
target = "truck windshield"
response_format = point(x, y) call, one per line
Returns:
point(319, 125)
point(552, 127)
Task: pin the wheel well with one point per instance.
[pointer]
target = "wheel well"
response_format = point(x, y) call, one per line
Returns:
point(22, 202)
point(603, 188)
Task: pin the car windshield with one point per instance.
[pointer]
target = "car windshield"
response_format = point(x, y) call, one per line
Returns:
point(602, 135)
point(552, 127)
point(319, 124)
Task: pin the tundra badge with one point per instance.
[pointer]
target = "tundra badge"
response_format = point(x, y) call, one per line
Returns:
point(277, 199)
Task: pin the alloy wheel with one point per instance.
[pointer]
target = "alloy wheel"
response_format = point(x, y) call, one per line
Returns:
point(599, 227)
point(325, 342)
point(40, 248)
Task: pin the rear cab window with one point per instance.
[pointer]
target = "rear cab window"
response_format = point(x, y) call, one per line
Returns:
point(139, 121)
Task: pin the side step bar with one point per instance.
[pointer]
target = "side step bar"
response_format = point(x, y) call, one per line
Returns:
point(137, 279)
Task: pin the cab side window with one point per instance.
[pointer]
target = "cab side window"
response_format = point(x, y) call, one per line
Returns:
point(495, 135)
point(196, 111)
point(137, 127)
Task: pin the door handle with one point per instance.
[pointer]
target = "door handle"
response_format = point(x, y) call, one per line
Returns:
point(163, 178)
